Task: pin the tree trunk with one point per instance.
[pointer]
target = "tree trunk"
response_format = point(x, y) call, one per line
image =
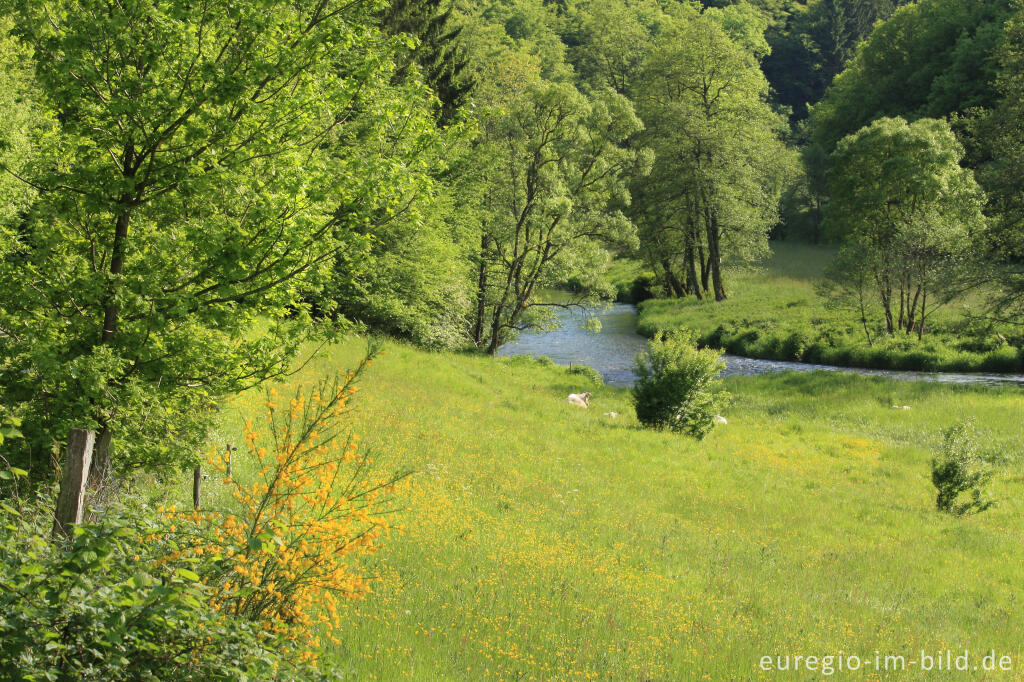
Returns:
point(715, 254)
point(863, 313)
point(492, 345)
point(705, 270)
point(481, 292)
point(904, 294)
point(71, 499)
point(100, 465)
point(676, 287)
point(912, 315)
point(691, 265)
point(924, 306)
point(99, 472)
point(885, 291)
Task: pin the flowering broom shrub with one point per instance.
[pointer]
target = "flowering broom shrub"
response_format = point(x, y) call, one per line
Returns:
point(285, 556)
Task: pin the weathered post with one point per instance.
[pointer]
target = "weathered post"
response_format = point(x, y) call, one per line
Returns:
point(229, 461)
point(197, 486)
point(71, 500)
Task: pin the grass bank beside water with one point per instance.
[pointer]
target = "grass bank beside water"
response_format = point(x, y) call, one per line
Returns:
point(544, 541)
point(775, 313)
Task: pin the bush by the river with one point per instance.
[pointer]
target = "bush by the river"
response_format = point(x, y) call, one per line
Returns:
point(678, 385)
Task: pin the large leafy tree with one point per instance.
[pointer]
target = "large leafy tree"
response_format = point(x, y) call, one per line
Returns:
point(1003, 139)
point(556, 172)
point(189, 213)
point(911, 217)
point(720, 161)
point(610, 40)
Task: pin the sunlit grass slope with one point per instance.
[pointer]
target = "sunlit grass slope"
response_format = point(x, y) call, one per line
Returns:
point(544, 541)
point(775, 312)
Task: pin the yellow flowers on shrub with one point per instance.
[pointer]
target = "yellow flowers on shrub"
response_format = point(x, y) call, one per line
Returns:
point(287, 554)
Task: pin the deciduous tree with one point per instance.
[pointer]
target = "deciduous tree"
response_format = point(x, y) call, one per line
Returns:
point(190, 211)
point(901, 197)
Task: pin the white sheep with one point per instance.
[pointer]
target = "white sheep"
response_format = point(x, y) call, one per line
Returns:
point(579, 399)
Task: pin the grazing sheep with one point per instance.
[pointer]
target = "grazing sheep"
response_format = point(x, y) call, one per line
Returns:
point(719, 419)
point(611, 415)
point(579, 399)
point(901, 407)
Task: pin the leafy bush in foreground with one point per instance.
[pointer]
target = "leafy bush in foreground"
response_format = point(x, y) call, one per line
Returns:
point(240, 593)
point(108, 606)
point(678, 386)
point(960, 473)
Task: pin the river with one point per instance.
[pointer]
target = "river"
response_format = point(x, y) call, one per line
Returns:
point(611, 352)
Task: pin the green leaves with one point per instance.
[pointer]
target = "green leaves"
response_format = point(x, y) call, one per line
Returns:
point(552, 198)
point(678, 386)
point(909, 215)
point(112, 606)
point(198, 199)
point(931, 58)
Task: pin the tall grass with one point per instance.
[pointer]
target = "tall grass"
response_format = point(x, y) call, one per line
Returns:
point(545, 541)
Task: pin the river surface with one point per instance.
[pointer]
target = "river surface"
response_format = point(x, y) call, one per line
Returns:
point(611, 350)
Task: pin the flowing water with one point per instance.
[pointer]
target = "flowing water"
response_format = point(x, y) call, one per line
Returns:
point(611, 350)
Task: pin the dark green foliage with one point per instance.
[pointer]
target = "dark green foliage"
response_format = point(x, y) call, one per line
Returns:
point(931, 58)
point(437, 51)
point(960, 473)
point(644, 286)
point(678, 386)
point(103, 608)
point(814, 42)
point(999, 136)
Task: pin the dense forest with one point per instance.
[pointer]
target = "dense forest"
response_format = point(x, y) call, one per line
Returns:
point(431, 170)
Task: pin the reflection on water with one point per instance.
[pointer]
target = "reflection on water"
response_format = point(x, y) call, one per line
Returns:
point(611, 352)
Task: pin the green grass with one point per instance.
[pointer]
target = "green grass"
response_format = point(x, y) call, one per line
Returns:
point(774, 312)
point(632, 281)
point(548, 542)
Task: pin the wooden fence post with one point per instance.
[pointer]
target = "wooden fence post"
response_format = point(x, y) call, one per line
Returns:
point(197, 486)
point(229, 461)
point(71, 500)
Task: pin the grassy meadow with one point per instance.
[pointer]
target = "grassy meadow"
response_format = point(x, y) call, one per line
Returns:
point(543, 541)
point(774, 312)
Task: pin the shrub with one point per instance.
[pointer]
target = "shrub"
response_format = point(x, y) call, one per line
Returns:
point(961, 473)
point(285, 556)
point(109, 606)
point(644, 287)
point(591, 375)
point(678, 385)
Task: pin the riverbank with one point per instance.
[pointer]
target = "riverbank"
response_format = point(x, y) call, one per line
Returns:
point(547, 541)
point(775, 313)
